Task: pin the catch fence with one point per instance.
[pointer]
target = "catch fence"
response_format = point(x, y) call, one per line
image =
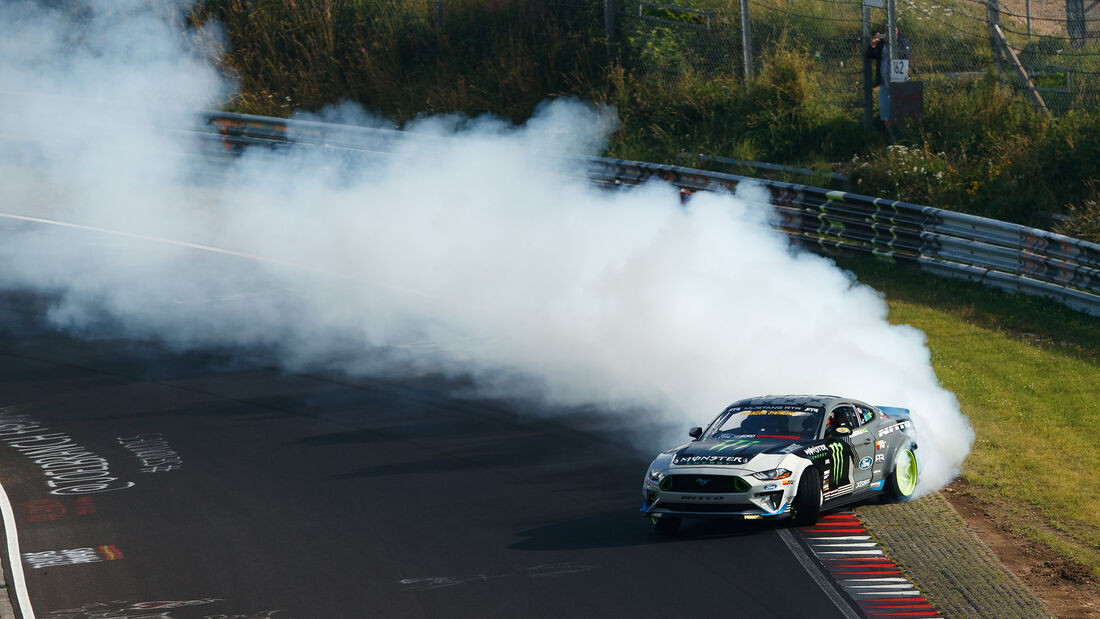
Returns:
point(1049, 49)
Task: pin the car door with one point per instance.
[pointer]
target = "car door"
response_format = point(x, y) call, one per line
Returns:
point(861, 441)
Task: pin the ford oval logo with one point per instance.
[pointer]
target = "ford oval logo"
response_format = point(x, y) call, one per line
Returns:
point(865, 463)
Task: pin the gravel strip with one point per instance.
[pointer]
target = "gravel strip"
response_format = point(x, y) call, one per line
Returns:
point(947, 561)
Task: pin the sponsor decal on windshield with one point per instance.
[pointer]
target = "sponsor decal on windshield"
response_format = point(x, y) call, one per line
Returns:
point(775, 409)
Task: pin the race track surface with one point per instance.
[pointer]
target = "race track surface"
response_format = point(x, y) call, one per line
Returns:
point(258, 492)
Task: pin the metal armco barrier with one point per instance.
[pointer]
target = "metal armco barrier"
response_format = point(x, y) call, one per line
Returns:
point(996, 253)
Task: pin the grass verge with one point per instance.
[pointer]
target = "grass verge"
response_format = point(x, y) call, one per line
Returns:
point(1025, 371)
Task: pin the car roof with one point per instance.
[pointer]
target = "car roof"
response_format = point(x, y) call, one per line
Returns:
point(816, 401)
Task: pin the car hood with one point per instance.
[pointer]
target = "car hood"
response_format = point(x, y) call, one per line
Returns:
point(734, 451)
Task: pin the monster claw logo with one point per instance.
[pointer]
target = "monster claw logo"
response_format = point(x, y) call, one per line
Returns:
point(727, 444)
point(837, 451)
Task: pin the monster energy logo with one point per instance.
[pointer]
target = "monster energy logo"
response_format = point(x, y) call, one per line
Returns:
point(741, 444)
point(837, 451)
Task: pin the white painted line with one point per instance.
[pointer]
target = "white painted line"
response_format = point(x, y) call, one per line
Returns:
point(900, 585)
point(15, 558)
point(842, 538)
point(206, 248)
point(865, 596)
point(847, 545)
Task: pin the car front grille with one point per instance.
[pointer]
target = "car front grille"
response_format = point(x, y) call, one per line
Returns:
point(704, 483)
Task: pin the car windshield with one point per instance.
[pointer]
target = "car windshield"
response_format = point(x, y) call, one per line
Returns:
point(764, 422)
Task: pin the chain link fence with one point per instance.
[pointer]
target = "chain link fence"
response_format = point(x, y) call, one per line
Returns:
point(1049, 49)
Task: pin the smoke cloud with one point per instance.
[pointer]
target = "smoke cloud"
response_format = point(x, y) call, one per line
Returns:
point(475, 248)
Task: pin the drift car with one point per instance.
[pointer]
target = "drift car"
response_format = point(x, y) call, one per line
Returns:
point(783, 456)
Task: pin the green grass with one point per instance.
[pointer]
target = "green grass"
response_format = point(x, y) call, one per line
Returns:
point(1027, 374)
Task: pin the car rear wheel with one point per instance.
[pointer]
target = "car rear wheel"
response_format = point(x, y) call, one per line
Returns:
point(902, 481)
point(806, 507)
point(666, 525)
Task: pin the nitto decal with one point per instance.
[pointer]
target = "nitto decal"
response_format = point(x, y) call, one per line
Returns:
point(865, 463)
point(692, 497)
point(837, 451)
point(901, 425)
point(70, 468)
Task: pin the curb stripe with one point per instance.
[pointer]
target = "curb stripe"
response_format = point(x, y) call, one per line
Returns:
point(859, 567)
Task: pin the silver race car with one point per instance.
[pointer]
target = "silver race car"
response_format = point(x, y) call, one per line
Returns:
point(783, 456)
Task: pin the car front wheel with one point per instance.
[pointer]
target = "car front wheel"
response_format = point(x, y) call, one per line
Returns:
point(806, 506)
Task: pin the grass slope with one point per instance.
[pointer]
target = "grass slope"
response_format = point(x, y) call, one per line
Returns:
point(1027, 373)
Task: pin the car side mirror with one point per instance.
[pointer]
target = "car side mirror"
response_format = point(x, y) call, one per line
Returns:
point(695, 432)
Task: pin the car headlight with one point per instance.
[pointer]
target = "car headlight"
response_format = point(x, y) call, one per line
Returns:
point(772, 474)
point(656, 476)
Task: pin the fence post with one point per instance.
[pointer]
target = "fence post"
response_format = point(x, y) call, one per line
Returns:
point(868, 84)
point(993, 17)
point(1075, 22)
point(746, 40)
point(609, 27)
point(891, 36)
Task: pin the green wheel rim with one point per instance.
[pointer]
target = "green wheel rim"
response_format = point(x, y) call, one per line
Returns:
point(906, 472)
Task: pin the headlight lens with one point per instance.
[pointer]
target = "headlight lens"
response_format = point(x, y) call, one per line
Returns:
point(656, 476)
point(772, 474)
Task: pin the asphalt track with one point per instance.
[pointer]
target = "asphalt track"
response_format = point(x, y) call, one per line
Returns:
point(320, 495)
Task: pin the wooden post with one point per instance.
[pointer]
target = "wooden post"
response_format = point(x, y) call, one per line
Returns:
point(1020, 71)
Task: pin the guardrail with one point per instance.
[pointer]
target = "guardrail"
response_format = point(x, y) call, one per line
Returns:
point(995, 253)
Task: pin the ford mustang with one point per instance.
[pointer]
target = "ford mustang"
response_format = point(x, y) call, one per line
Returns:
point(783, 456)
